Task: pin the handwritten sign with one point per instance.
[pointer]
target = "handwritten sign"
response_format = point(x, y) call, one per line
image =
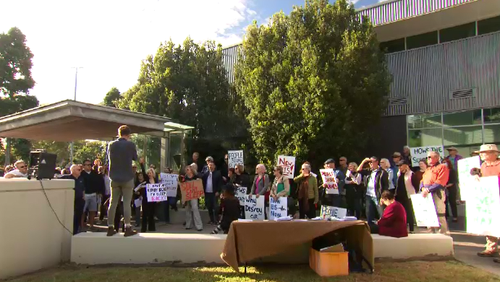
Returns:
point(235, 158)
point(278, 208)
point(464, 176)
point(170, 181)
point(288, 165)
point(329, 178)
point(254, 208)
point(425, 210)
point(418, 153)
point(191, 190)
point(483, 207)
point(241, 194)
point(330, 211)
point(156, 192)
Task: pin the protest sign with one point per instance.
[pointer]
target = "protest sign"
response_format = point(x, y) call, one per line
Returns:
point(425, 210)
point(464, 176)
point(329, 178)
point(278, 208)
point(156, 192)
point(241, 194)
point(329, 211)
point(288, 165)
point(170, 181)
point(191, 190)
point(235, 158)
point(418, 153)
point(254, 208)
point(483, 207)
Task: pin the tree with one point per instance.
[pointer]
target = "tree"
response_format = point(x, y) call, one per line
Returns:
point(112, 98)
point(313, 82)
point(89, 150)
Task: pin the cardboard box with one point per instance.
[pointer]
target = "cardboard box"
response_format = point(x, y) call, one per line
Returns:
point(329, 261)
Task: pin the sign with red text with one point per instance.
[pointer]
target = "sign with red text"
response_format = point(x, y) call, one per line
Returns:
point(191, 190)
point(329, 178)
point(156, 192)
point(288, 165)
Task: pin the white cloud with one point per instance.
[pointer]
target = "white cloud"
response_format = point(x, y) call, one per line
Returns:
point(110, 38)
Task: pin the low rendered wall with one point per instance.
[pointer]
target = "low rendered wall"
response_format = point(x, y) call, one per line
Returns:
point(31, 237)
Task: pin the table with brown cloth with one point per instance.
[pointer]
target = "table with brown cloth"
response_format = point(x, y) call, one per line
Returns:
point(247, 241)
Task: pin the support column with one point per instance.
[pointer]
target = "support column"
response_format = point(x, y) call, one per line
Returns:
point(183, 159)
point(165, 159)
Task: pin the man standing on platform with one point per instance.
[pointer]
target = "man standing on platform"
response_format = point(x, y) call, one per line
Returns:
point(121, 153)
point(212, 183)
point(79, 196)
point(433, 182)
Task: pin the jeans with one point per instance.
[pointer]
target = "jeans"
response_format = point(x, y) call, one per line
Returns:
point(211, 205)
point(373, 209)
point(119, 189)
point(171, 202)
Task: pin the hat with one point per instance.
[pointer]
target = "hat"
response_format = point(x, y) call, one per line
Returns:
point(396, 155)
point(488, 148)
point(209, 159)
point(452, 149)
point(402, 162)
point(329, 161)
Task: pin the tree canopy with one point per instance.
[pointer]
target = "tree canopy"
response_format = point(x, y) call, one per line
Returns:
point(112, 98)
point(312, 82)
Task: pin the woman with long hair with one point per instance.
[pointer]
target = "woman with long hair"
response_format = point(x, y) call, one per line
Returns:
point(193, 216)
point(281, 188)
point(422, 164)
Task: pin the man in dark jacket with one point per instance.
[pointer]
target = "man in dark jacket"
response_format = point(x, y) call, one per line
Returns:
point(94, 186)
point(377, 182)
point(79, 196)
point(212, 183)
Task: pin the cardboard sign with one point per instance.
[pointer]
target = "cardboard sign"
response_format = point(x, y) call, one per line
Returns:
point(418, 153)
point(191, 190)
point(170, 181)
point(425, 210)
point(235, 158)
point(483, 207)
point(329, 178)
point(254, 208)
point(241, 194)
point(330, 211)
point(288, 165)
point(464, 176)
point(156, 192)
point(278, 208)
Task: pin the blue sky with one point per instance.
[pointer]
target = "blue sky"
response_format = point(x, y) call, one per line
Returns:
point(109, 39)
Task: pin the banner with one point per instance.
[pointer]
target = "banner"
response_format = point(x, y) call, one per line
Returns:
point(241, 194)
point(170, 181)
point(418, 153)
point(464, 176)
point(483, 207)
point(156, 192)
point(329, 211)
point(235, 158)
point(329, 178)
point(254, 208)
point(278, 208)
point(192, 190)
point(288, 164)
point(425, 210)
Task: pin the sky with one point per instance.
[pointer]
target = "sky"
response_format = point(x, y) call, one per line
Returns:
point(108, 39)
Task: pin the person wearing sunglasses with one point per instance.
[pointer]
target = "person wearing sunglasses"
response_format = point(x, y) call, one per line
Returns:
point(20, 171)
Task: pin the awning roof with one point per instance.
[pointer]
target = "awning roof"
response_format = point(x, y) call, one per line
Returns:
point(71, 120)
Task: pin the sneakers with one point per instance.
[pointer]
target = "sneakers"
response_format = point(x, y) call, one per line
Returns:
point(111, 231)
point(129, 231)
point(487, 254)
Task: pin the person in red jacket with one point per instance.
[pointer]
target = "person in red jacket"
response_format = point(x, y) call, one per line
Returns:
point(393, 221)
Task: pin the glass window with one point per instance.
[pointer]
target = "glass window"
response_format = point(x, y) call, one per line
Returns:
point(463, 135)
point(457, 32)
point(462, 118)
point(488, 25)
point(421, 40)
point(425, 137)
point(492, 115)
point(424, 121)
point(393, 45)
point(492, 133)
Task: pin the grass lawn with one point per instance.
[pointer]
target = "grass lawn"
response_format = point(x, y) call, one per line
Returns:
point(441, 271)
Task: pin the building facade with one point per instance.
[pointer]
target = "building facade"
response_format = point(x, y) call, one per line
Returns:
point(444, 56)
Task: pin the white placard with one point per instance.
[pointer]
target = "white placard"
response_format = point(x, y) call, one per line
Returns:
point(235, 158)
point(254, 207)
point(483, 207)
point(464, 176)
point(156, 192)
point(418, 153)
point(425, 210)
point(170, 181)
point(278, 208)
point(288, 165)
point(330, 211)
point(330, 179)
point(241, 194)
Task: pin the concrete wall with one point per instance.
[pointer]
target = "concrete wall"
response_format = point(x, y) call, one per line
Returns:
point(31, 237)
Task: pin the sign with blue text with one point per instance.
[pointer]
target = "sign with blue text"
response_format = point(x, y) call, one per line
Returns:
point(254, 207)
point(278, 208)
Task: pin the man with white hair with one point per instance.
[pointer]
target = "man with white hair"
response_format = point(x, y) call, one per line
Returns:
point(79, 195)
point(21, 170)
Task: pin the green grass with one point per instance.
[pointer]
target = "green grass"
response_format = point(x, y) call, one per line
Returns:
point(385, 272)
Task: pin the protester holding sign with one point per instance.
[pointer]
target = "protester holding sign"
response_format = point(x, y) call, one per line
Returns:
point(212, 184)
point(334, 183)
point(192, 211)
point(261, 185)
point(148, 208)
point(308, 192)
point(281, 188)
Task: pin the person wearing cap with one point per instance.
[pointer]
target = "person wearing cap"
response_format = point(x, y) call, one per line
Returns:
point(489, 167)
point(331, 198)
point(405, 187)
point(434, 181)
point(377, 182)
point(453, 156)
